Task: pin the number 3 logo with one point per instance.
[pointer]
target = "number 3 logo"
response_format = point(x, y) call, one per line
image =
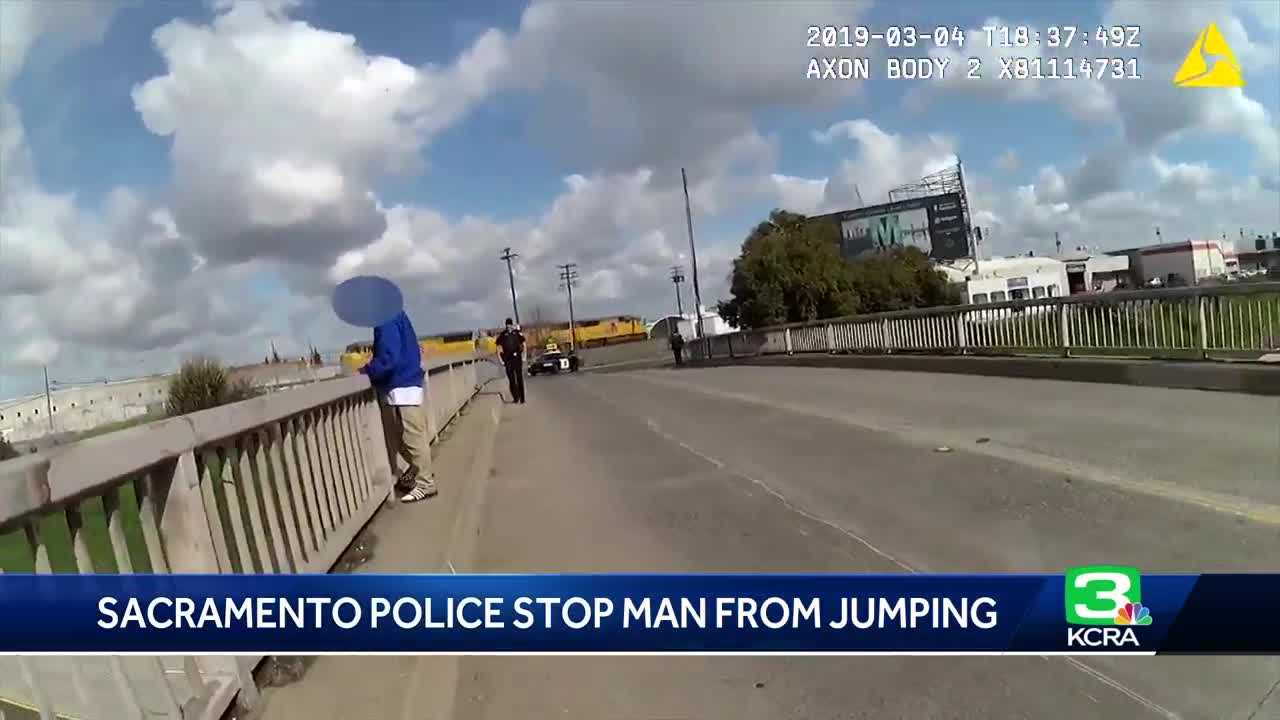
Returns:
point(1095, 594)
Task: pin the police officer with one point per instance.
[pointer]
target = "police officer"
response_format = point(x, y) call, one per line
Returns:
point(511, 349)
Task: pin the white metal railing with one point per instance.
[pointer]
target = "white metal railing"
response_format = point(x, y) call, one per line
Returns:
point(281, 483)
point(1239, 321)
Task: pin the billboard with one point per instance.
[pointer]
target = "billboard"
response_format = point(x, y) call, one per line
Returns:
point(934, 224)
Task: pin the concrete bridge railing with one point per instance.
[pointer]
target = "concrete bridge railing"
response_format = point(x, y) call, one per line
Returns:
point(1239, 321)
point(281, 483)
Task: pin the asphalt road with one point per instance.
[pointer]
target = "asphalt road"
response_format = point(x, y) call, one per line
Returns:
point(795, 469)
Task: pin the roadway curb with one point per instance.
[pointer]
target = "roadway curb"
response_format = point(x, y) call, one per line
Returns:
point(1218, 376)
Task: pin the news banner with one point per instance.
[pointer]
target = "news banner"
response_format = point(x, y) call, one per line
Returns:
point(1087, 610)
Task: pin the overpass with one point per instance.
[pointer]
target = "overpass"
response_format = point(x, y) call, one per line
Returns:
point(731, 468)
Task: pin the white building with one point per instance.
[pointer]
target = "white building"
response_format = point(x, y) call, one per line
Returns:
point(1177, 263)
point(712, 324)
point(1097, 273)
point(76, 409)
point(1009, 278)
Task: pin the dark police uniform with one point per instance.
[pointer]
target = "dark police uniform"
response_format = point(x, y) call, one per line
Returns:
point(511, 349)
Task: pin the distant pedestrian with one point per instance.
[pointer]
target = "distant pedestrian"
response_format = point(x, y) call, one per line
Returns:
point(395, 371)
point(511, 349)
point(677, 347)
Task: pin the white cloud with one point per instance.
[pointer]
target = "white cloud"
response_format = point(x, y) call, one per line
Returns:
point(36, 352)
point(1185, 200)
point(797, 194)
point(1182, 176)
point(62, 25)
point(623, 229)
point(882, 161)
point(1050, 187)
point(1148, 111)
point(285, 166)
point(1089, 102)
point(666, 89)
point(1267, 14)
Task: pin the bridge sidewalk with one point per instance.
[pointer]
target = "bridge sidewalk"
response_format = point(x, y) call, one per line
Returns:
point(434, 536)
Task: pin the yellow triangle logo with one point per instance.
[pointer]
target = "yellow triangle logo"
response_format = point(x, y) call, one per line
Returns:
point(1210, 63)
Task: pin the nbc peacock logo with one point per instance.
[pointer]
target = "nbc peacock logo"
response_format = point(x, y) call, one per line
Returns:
point(1133, 614)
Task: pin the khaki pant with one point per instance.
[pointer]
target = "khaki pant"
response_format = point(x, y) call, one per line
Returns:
point(405, 428)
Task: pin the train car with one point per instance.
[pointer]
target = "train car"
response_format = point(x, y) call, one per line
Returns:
point(593, 332)
point(357, 354)
point(448, 343)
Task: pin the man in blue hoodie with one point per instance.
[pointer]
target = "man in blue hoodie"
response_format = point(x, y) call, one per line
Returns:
point(395, 371)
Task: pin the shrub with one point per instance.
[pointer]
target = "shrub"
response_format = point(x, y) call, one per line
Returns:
point(203, 383)
point(7, 451)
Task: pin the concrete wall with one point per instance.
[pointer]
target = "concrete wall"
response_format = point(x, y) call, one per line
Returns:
point(81, 408)
point(85, 407)
point(631, 352)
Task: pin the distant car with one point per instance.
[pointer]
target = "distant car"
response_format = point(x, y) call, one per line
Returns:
point(552, 363)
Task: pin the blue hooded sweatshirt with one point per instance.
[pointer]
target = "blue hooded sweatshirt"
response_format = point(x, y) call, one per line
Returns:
point(397, 358)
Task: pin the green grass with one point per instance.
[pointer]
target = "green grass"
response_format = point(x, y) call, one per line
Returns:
point(16, 556)
point(1113, 332)
point(120, 425)
point(15, 553)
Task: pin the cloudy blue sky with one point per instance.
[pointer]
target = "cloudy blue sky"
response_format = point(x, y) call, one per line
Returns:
point(182, 177)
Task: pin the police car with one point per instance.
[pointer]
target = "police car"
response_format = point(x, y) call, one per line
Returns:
point(552, 361)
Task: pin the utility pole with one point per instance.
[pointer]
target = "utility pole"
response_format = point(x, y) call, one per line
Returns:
point(569, 278)
point(977, 251)
point(677, 277)
point(511, 278)
point(48, 400)
point(693, 253)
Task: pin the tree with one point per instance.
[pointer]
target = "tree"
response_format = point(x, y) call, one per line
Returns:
point(791, 270)
point(203, 383)
point(7, 451)
point(899, 279)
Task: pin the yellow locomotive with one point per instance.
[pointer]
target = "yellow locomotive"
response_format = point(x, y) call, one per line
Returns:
point(357, 354)
point(592, 332)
